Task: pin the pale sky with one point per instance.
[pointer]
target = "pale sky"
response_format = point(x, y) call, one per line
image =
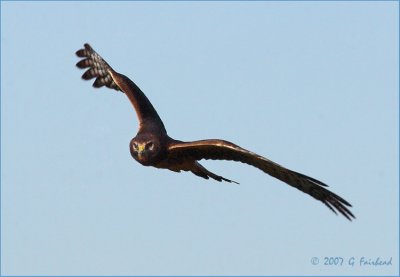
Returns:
point(310, 85)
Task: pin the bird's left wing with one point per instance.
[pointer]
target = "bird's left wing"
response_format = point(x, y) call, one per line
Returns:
point(215, 149)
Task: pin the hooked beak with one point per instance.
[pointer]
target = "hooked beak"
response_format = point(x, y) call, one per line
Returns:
point(140, 150)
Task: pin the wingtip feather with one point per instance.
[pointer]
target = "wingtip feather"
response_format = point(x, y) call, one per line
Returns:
point(84, 63)
point(88, 75)
point(81, 53)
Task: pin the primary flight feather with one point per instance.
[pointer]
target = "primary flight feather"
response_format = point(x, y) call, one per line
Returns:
point(153, 147)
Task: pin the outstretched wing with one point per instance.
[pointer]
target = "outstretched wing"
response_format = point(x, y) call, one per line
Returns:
point(106, 76)
point(225, 150)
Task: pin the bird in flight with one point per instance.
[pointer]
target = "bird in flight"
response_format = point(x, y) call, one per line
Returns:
point(153, 147)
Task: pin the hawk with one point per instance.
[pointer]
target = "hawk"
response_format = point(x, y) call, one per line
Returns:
point(153, 147)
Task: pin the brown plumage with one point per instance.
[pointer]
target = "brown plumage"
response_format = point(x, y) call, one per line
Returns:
point(153, 147)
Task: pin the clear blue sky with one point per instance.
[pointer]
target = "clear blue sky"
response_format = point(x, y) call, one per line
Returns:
point(310, 85)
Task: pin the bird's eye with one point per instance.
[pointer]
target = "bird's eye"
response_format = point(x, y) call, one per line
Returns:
point(135, 145)
point(149, 146)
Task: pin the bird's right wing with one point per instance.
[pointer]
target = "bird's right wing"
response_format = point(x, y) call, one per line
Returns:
point(215, 149)
point(106, 76)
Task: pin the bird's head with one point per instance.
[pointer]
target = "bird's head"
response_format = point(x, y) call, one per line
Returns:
point(145, 149)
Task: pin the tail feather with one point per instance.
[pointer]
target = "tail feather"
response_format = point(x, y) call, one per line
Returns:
point(201, 171)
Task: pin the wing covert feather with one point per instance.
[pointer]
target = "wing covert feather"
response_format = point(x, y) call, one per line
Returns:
point(215, 149)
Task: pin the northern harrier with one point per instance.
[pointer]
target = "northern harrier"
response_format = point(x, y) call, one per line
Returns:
point(153, 147)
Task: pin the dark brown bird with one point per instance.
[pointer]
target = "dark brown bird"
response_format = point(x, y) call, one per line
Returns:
point(153, 147)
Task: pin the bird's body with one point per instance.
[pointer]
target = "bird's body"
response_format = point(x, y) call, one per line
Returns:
point(153, 147)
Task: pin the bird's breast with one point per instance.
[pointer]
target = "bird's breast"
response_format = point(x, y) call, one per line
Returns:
point(175, 165)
